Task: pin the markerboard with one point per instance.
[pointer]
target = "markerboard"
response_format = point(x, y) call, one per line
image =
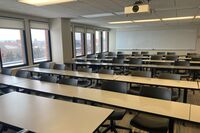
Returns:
point(166, 39)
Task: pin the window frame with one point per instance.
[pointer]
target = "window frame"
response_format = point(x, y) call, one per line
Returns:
point(100, 41)
point(93, 43)
point(50, 50)
point(23, 33)
point(74, 43)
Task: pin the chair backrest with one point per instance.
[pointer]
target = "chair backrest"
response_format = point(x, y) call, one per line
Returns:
point(182, 63)
point(121, 56)
point(6, 71)
point(23, 74)
point(120, 53)
point(160, 53)
point(169, 76)
point(141, 73)
point(59, 66)
point(118, 61)
point(171, 57)
point(189, 54)
point(144, 53)
point(89, 70)
point(163, 63)
point(91, 56)
point(195, 59)
point(69, 81)
point(46, 65)
point(155, 92)
point(135, 61)
point(46, 78)
point(135, 53)
point(171, 53)
point(101, 56)
point(95, 61)
point(115, 86)
point(156, 57)
point(106, 71)
point(111, 54)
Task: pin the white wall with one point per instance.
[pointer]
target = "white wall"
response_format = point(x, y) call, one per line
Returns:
point(114, 47)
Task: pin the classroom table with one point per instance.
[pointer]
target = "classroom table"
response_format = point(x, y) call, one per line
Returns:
point(45, 115)
point(194, 113)
point(181, 84)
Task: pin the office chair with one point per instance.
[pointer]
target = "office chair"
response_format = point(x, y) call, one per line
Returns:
point(4, 88)
point(46, 65)
point(149, 122)
point(119, 87)
point(23, 74)
point(156, 57)
point(135, 89)
point(135, 53)
point(111, 54)
point(118, 69)
point(144, 53)
point(161, 53)
point(101, 56)
point(68, 81)
point(171, 57)
point(59, 66)
point(51, 79)
point(84, 82)
point(175, 92)
point(184, 73)
point(171, 53)
point(91, 56)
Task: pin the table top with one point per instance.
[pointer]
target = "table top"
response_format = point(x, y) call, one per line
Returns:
point(194, 113)
point(39, 114)
point(150, 105)
point(11, 80)
point(160, 82)
point(73, 73)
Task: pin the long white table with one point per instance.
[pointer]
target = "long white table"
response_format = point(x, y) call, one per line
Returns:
point(44, 115)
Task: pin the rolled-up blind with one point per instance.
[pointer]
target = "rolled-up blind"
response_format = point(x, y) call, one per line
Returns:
point(39, 25)
point(11, 23)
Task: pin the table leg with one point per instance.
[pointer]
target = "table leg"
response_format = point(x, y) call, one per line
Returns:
point(185, 96)
point(171, 125)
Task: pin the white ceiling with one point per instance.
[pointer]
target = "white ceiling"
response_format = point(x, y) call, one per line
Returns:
point(75, 10)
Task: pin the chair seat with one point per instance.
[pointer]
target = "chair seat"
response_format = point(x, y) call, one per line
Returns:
point(149, 122)
point(84, 83)
point(117, 115)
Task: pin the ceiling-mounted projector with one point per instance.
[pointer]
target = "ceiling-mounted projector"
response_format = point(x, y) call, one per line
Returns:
point(138, 7)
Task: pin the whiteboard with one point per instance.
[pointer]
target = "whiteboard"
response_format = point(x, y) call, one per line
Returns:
point(167, 39)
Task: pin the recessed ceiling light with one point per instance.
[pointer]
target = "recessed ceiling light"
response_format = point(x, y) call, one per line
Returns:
point(97, 15)
point(120, 22)
point(147, 20)
point(178, 18)
point(44, 2)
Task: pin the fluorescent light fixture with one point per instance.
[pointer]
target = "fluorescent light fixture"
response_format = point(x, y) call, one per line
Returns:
point(178, 18)
point(44, 2)
point(120, 22)
point(147, 20)
point(119, 13)
point(97, 15)
point(197, 17)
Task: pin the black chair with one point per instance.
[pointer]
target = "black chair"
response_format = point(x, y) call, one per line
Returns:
point(46, 65)
point(120, 87)
point(106, 71)
point(161, 53)
point(101, 56)
point(111, 54)
point(171, 57)
point(197, 58)
point(156, 57)
point(118, 69)
point(171, 53)
point(51, 79)
point(68, 81)
point(175, 92)
point(59, 66)
point(149, 122)
point(4, 88)
point(84, 82)
point(121, 56)
point(135, 61)
point(144, 53)
point(135, 89)
point(23, 74)
point(91, 56)
point(120, 53)
point(135, 53)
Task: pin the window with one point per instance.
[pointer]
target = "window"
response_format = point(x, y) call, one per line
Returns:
point(89, 42)
point(79, 43)
point(40, 41)
point(40, 45)
point(98, 42)
point(105, 41)
point(12, 47)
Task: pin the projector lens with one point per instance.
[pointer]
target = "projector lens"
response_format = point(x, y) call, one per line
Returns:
point(135, 8)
